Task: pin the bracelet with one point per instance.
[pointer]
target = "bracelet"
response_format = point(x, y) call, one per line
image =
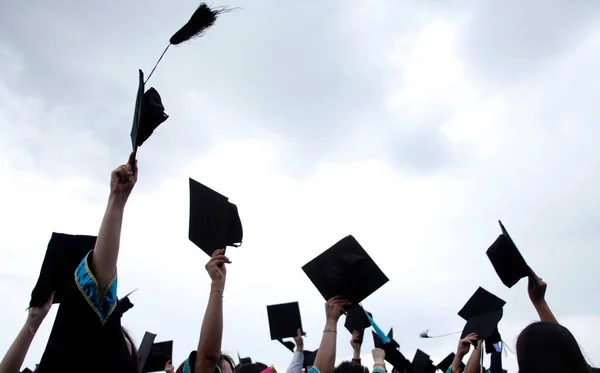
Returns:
point(217, 291)
point(329, 330)
point(454, 370)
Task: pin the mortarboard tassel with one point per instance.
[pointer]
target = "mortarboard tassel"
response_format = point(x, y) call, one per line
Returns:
point(384, 338)
point(425, 334)
point(202, 19)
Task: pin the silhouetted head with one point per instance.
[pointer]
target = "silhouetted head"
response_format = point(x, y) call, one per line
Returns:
point(349, 367)
point(251, 368)
point(545, 347)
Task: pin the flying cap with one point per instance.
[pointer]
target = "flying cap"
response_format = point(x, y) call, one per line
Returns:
point(64, 253)
point(421, 362)
point(445, 364)
point(350, 272)
point(284, 320)
point(214, 221)
point(507, 260)
point(356, 319)
point(145, 348)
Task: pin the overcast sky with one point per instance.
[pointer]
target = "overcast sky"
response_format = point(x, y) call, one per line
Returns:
point(412, 125)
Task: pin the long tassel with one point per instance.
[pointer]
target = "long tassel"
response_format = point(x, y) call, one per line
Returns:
point(157, 62)
point(425, 334)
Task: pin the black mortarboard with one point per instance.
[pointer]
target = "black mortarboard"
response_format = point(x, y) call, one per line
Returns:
point(149, 110)
point(507, 260)
point(379, 343)
point(145, 347)
point(214, 221)
point(125, 303)
point(481, 301)
point(244, 360)
point(26, 370)
point(491, 341)
point(309, 358)
point(64, 253)
point(395, 358)
point(287, 344)
point(484, 324)
point(445, 364)
point(421, 362)
point(356, 319)
point(345, 269)
point(284, 320)
point(160, 354)
point(149, 113)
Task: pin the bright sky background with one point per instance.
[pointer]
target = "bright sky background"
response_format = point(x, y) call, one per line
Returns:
point(412, 125)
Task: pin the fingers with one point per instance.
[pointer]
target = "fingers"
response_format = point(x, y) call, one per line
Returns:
point(299, 333)
point(50, 300)
point(218, 252)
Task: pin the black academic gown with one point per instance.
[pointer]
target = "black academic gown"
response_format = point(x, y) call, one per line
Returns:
point(87, 335)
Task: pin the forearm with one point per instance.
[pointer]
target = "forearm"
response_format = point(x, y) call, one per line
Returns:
point(297, 363)
point(474, 361)
point(457, 362)
point(325, 359)
point(356, 354)
point(545, 313)
point(12, 361)
point(106, 251)
point(209, 347)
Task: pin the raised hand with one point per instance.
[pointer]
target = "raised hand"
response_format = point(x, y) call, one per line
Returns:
point(123, 178)
point(378, 356)
point(169, 368)
point(464, 345)
point(216, 267)
point(38, 314)
point(334, 308)
point(354, 340)
point(299, 340)
point(536, 289)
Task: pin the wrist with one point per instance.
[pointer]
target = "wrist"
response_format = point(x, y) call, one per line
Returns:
point(379, 361)
point(217, 285)
point(331, 323)
point(117, 200)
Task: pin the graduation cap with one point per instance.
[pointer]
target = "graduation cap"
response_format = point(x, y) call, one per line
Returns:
point(284, 320)
point(421, 362)
point(445, 364)
point(482, 311)
point(356, 319)
point(395, 358)
point(149, 110)
point(64, 253)
point(481, 301)
point(26, 370)
point(309, 358)
point(244, 360)
point(214, 221)
point(381, 344)
point(125, 303)
point(345, 269)
point(507, 260)
point(154, 356)
point(287, 344)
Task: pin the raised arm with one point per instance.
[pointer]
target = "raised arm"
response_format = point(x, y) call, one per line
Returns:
point(325, 360)
point(474, 363)
point(106, 251)
point(13, 360)
point(298, 359)
point(464, 345)
point(354, 342)
point(537, 294)
point(209, 347)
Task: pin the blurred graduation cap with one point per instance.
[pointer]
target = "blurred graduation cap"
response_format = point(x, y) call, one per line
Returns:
point(309, 359)
point(26, 370)
point(507, 260)
point(356, 319)
point(214, 221)
point(482, 312)
point(422, 363)
point(154, 356)
point(64, 253)
point(287, 344)
point(445, 364)
point(125, 303)
point(284, 320)
point(381, 344)
point(149, 110)
point(345, 269)
point(244, 360)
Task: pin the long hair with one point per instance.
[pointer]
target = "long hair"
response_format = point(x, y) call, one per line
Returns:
point(545, 347)
point(134, 351)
